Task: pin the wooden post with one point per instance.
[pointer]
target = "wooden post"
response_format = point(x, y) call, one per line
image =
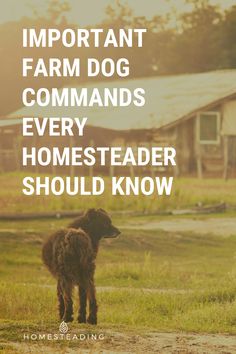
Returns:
point(174, 140)
point(176, 167)
point(1, 160)
point(72, 168)
point(1, 152)
point(20, 140)
point(91, 168)
point(35, 141)
point(111, 171)
point(199, 161)
point(151, 166)
point(198, 149)
point(131, 167)
point(16, 154)
point(226, 157)
point(53, 170)
point(18, 150)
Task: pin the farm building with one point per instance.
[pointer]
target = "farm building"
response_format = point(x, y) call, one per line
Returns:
point(195, 113)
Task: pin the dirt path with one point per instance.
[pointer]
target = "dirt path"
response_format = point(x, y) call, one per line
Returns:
point(164, 343)
point(217, 226)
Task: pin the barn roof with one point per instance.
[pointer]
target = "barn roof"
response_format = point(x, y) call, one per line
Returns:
point(168, 99)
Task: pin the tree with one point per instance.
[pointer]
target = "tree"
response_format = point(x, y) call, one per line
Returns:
point(228, 30)
point(197, 47)
point(57, 9)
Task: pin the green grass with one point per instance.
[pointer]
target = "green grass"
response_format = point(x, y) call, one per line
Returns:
point(192, 282)
point(186, 192)
point(208, 311)
point(151, 259)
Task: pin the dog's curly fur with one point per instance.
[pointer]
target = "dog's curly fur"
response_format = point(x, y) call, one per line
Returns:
point(70, 256)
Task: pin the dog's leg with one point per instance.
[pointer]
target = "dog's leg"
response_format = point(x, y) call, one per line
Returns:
point(61, 306)
point(92, 318)
point(66, 287)
point(82, 304)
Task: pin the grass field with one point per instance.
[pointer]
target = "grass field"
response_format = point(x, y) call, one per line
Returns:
point(147, 281)
point(186, 192)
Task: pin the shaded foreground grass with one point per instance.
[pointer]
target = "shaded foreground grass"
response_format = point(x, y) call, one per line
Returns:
point(186, 193)
point(207, 311)
point(192, 280)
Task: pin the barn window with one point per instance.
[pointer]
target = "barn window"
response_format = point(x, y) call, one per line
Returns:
point(208, 127)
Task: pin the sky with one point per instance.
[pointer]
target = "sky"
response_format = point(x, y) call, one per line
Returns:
point(89, 12)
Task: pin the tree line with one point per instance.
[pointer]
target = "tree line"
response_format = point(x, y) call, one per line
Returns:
point(196, 41)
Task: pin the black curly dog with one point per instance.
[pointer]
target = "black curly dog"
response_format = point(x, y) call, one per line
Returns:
point(70, 256)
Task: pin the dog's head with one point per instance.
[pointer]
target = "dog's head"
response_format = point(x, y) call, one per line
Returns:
point(100, 224)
